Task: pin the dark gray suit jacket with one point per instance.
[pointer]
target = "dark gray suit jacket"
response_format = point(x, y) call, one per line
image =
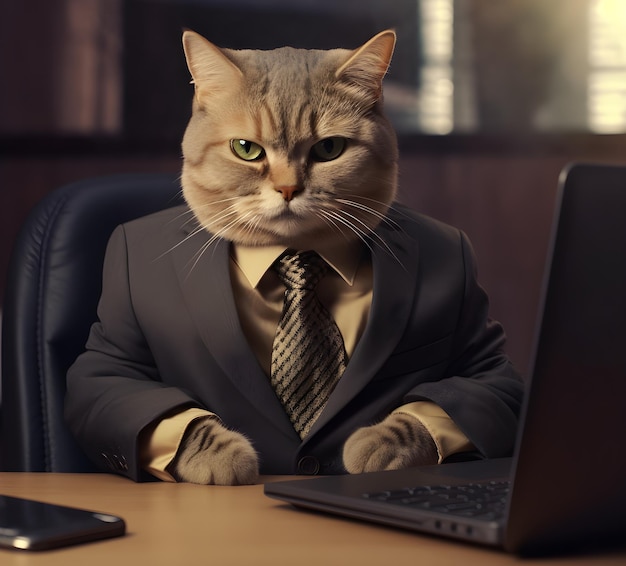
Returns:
point(168, 337)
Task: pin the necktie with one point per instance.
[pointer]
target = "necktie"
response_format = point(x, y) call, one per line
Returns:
point(308, 355)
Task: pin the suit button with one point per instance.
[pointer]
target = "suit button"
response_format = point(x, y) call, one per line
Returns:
point(308, 466)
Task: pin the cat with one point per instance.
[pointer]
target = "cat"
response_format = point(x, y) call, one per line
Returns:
point(291, 147)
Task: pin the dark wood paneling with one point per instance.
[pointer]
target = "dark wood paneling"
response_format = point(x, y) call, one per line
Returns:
point(504, 201)
point(25, 180)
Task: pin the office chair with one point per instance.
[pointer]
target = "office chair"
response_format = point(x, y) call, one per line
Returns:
point(53, 287)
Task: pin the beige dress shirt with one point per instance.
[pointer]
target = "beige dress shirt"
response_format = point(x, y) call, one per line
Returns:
point(346, 291)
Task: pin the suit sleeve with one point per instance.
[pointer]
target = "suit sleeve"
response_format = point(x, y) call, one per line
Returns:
point(113, 389)
point(481, 390)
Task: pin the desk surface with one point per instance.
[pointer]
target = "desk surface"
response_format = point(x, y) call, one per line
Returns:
point(170, 524)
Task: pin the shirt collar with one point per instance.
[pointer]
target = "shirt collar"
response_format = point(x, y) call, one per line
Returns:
point(254, 261)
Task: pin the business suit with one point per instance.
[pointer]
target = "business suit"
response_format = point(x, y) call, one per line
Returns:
point(169, 338)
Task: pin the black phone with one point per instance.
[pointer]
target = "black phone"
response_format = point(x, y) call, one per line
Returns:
point(34, 525)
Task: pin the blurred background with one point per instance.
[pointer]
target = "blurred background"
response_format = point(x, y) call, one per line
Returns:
point(490, 98)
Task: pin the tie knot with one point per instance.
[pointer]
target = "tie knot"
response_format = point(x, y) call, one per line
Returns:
point(302, 270)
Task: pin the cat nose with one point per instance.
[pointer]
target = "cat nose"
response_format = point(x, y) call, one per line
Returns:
point(288, 191)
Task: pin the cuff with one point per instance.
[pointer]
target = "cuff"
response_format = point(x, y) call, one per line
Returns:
point(160, 446)
point(447, 436)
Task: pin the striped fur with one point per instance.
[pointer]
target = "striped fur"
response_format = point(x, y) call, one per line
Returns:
point(212, 454)
point(399, 441)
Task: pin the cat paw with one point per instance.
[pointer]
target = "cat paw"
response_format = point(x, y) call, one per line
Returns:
point(399, 441)
point(211, 454)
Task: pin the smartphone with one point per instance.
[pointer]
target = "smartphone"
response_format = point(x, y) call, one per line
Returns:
point(33, 525)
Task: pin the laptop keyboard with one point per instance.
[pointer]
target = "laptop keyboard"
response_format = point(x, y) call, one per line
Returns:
point(481, 500)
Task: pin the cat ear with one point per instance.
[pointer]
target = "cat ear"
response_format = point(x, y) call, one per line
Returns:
point(368, 64)
point(212, 72)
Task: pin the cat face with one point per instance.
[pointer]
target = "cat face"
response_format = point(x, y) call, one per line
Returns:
point(289, 146)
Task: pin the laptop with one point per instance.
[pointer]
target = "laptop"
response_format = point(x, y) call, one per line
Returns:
point(565, 486)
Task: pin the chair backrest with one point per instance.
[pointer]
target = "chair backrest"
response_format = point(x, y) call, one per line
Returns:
point(53, 287)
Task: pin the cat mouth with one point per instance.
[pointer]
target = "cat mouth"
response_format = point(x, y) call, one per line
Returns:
point(290, 219)
point(289, 211)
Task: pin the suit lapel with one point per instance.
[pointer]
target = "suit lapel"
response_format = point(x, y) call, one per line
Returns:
point(207, 292)
point(395, 264)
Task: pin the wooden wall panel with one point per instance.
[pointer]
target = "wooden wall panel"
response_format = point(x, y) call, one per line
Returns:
point(25, 180)
point(505, 205)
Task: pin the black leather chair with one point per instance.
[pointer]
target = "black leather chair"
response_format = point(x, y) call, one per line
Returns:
point(53, 286)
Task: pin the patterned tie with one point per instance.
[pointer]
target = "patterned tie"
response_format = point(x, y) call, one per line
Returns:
point(308, 356)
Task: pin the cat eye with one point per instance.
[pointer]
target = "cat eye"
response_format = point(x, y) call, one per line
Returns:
point(328, 148)
point(247, 150)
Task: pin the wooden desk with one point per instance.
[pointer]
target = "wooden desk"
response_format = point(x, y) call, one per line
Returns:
point(174, 524)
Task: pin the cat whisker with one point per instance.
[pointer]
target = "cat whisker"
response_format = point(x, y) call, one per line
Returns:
point(355, 204)
point(251, 225)
point(363, 229)
point(221, 215)
point(367, 235)
point(193, 233)
point(198, 230)
point(392, 206)
point(382, 217)
point(212, 203)
point(187, 212)
point(198, 255)
point(326, 217)
point(218, 236)
point(210, 206)
point(334, 217)
point(400, 211)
